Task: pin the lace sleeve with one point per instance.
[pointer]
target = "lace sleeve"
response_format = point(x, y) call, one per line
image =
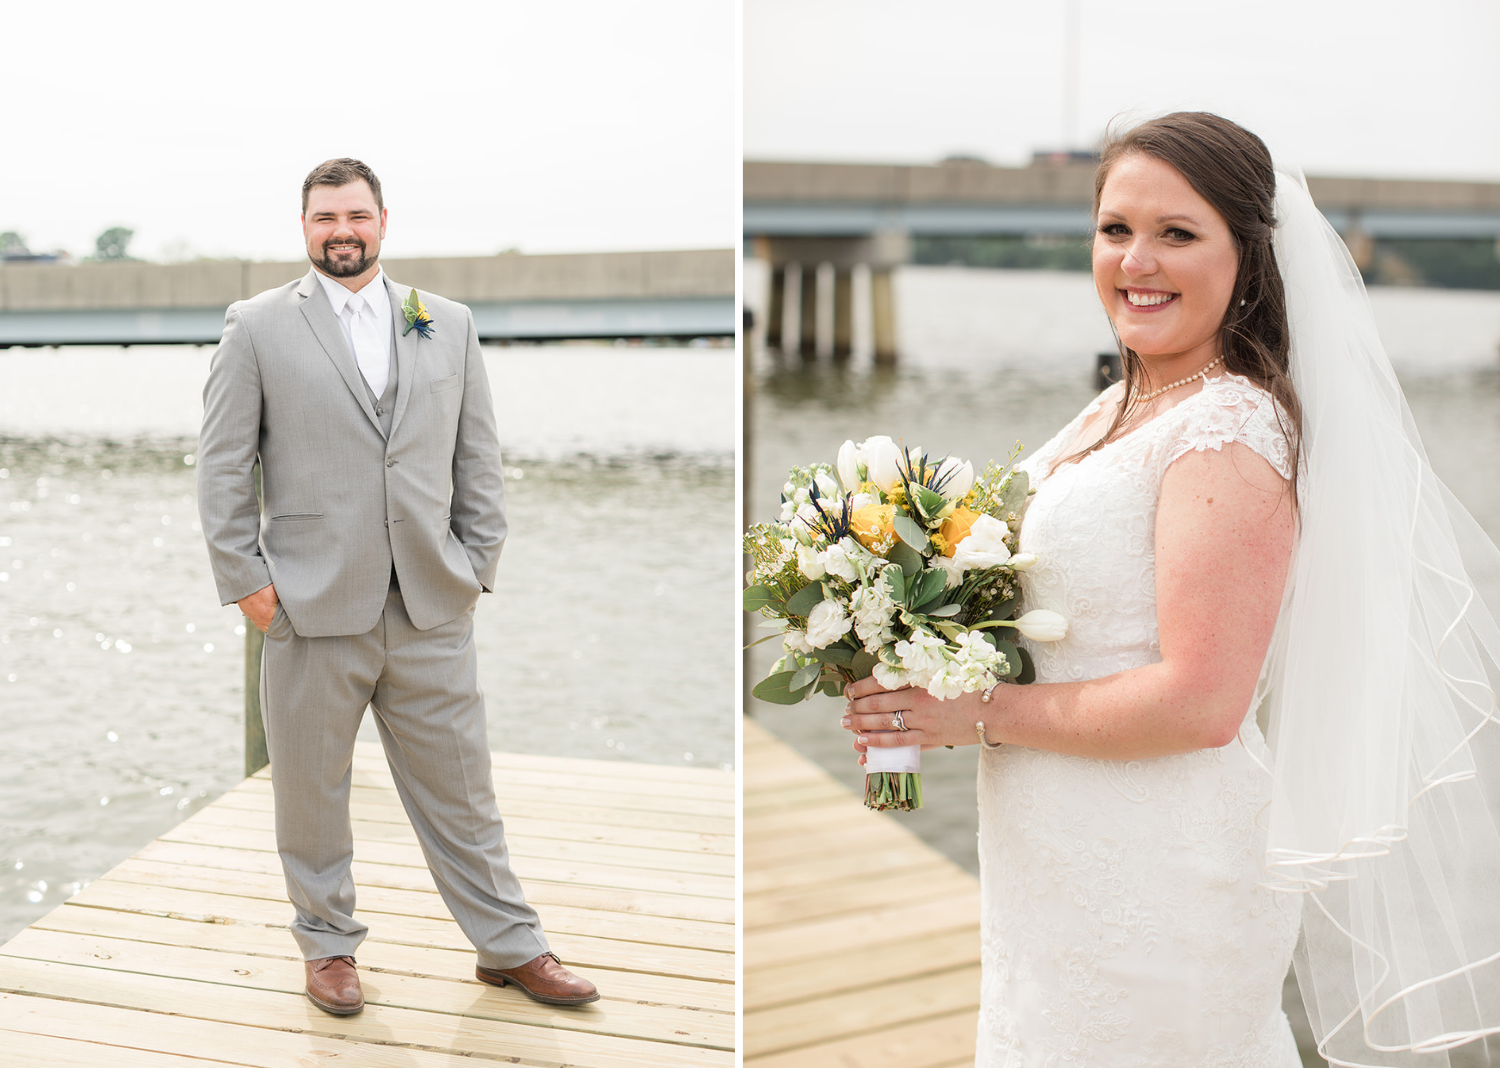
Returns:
point(1228, 409)
point(1039, 464)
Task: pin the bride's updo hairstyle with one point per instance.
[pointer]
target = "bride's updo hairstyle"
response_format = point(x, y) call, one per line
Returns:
point(1230, 168)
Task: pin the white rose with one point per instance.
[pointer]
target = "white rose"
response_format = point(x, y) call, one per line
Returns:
point(1042, 625)
point(960, 476)
point(810, 562)
point(848, 466)
point(837, 562)
point(859, 500)
point(954, 570)
point(985, 545)
point(827, 624)
point(794, 641)
point(883, 460)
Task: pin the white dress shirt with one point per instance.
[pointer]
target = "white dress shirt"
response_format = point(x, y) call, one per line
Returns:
point(365, 318)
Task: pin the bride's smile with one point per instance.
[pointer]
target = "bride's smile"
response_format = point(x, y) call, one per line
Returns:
point(1164, 265)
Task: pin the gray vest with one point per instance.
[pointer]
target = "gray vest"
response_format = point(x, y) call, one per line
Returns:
point(385, 404)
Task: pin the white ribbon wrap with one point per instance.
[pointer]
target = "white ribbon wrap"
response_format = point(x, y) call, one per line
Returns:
point(900, 759)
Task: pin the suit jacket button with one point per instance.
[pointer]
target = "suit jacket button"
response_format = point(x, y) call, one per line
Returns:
point(390, 463)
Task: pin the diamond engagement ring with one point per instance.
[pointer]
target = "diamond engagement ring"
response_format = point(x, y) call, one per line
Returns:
point(900, 723)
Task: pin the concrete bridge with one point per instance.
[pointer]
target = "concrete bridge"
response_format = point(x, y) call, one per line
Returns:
point(849, 218)
point(514, 297)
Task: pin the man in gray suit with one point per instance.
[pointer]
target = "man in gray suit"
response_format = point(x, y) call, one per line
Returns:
point(383, 522)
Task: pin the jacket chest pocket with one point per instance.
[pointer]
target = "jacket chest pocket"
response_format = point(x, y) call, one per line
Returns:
point(441, 385)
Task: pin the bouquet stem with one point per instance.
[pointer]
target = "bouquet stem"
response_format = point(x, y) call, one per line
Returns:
point(899, 790)
point(893, 777)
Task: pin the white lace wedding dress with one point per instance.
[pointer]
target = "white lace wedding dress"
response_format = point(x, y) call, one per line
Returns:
point(1122, 923)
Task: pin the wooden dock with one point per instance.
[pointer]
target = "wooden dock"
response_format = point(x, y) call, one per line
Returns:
point(861, 943)
point(181, 955)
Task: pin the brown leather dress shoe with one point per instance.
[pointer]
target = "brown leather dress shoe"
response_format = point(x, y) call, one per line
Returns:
point(542, 979)
point(333, 985)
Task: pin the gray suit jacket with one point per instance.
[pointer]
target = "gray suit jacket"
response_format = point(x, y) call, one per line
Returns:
point(342, 504)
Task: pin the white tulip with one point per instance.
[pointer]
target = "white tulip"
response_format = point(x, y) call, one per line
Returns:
point(883, 461)
point(960, 474)
point(1043, 625)
point(848, 466)
point(985, 546)
point(1022, 561)
point(827, 487)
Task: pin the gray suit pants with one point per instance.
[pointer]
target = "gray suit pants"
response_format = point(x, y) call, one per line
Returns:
point(423, 688)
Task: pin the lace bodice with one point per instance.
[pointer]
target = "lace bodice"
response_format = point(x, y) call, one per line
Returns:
point(1122, 921)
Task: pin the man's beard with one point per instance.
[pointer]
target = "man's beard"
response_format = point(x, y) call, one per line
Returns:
point(344, 267)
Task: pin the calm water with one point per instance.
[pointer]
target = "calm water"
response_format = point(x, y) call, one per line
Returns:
point(121, 679)
point(993, 357)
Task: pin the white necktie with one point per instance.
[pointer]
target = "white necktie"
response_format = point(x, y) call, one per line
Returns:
point(374, 359)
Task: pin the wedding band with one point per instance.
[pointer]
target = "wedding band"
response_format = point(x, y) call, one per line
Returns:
point(900, 723)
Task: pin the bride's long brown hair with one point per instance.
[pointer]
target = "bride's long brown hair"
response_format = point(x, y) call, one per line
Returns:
point(1230, 168)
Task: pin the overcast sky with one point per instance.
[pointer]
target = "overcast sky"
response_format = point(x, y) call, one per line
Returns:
point(562, 125)
point(1377, 87)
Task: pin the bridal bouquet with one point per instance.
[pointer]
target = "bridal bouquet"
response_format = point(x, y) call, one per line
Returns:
point(894, 565)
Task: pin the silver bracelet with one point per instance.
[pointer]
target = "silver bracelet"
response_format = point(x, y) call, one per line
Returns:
point(979, 730)
point(984, 698)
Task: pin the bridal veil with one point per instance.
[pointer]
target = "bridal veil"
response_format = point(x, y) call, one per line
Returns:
point(1379, 693)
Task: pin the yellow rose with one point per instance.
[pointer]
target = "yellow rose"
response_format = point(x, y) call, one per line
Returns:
point(956, 528)
point(874, 526)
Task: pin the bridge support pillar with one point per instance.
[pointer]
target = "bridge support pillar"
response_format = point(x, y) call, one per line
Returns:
point(775, 307)
point(883, 307)
point(796, 265)
point(843, 312)
point(807, 343)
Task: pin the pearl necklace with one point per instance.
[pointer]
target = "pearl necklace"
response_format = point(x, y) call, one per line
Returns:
point(1202, 373)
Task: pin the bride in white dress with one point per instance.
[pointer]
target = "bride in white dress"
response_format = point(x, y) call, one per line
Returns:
point(1134, 912)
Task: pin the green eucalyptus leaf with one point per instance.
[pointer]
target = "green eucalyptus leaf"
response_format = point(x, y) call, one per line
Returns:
point(838, 654)
point(805, 676)
point(804, 600)
point(911, 532)
point(1027, 673)
point(831, 687)
point(1012, 654)
point(758, 597)
point(758, 641)
point(945, 611)
point(1014, 501)
point(906, 558)
point(774, 688)
point(863, 664)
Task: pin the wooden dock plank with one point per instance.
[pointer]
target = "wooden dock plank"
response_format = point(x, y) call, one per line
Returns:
point(408, 877)
point(861, 943)
point(182, 957)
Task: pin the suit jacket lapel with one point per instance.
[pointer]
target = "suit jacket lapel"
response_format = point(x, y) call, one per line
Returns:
point(325, 327)
point(406, 351)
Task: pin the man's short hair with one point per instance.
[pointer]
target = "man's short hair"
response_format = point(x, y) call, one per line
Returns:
point(338, 172)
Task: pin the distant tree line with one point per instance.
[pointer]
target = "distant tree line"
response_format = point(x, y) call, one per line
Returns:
point(112, 246)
